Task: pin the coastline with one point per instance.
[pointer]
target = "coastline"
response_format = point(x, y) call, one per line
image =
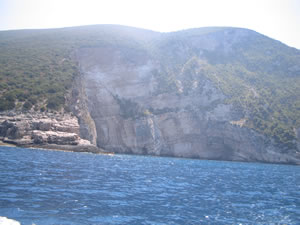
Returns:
point(65, 148)
point(7, 144)
point(51, 131)
point(61, 132)
point(102, 152)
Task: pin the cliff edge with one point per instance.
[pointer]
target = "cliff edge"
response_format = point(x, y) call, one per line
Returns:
point(44, 130)
point(219, 93)
point(184, 98)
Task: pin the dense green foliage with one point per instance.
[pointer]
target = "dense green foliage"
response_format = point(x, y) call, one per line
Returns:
point(36, 66)
point(33, 69)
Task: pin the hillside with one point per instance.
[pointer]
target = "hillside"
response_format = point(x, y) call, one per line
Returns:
point(36, 66)
point(218, 85)
point(259, 75)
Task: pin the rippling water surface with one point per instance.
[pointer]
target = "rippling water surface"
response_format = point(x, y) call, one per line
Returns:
point(53, 187)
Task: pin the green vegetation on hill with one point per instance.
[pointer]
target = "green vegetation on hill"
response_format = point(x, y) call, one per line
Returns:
point(36, 66)
point(259, 76)
point(270, 105)
point(34, 70)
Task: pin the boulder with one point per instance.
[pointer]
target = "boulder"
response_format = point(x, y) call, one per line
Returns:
point(43, 124)
point(55, 137)
point(39, 137)
point(62, 138)
point(13, 130)
point(70, 126)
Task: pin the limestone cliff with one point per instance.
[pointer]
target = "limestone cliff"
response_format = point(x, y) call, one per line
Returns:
point(136, 111)
point(213, 93)
point(43, 130)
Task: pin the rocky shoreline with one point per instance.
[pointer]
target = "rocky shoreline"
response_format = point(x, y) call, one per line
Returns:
point(57, 131)
point(61, 131)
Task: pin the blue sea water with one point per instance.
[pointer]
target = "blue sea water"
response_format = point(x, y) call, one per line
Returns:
point(53, 187)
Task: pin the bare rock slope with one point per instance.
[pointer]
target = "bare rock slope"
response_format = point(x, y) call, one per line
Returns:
point(136, 110)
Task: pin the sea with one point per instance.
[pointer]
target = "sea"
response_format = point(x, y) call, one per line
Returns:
point(43, 187)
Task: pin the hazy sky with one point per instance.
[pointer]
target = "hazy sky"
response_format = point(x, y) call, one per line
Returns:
point(279, 19)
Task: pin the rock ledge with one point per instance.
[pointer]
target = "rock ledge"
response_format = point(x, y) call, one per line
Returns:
point(44, 130)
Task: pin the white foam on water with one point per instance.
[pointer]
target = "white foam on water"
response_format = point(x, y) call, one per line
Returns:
point(6, 221)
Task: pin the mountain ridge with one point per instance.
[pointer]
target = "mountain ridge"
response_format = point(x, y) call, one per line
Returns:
point(257, 78)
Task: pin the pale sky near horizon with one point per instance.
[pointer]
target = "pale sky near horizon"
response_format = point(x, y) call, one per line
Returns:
point(278, 19)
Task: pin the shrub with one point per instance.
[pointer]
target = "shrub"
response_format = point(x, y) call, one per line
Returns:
point(27, 105)
point(55, 102)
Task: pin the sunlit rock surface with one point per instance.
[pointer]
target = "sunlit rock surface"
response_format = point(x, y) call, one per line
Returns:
point(133, 114)
point(45, 130)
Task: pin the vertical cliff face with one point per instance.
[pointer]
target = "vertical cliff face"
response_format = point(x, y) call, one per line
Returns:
point(213, 93)
point(189, 94)
point(78, 103)
point(136, 110)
